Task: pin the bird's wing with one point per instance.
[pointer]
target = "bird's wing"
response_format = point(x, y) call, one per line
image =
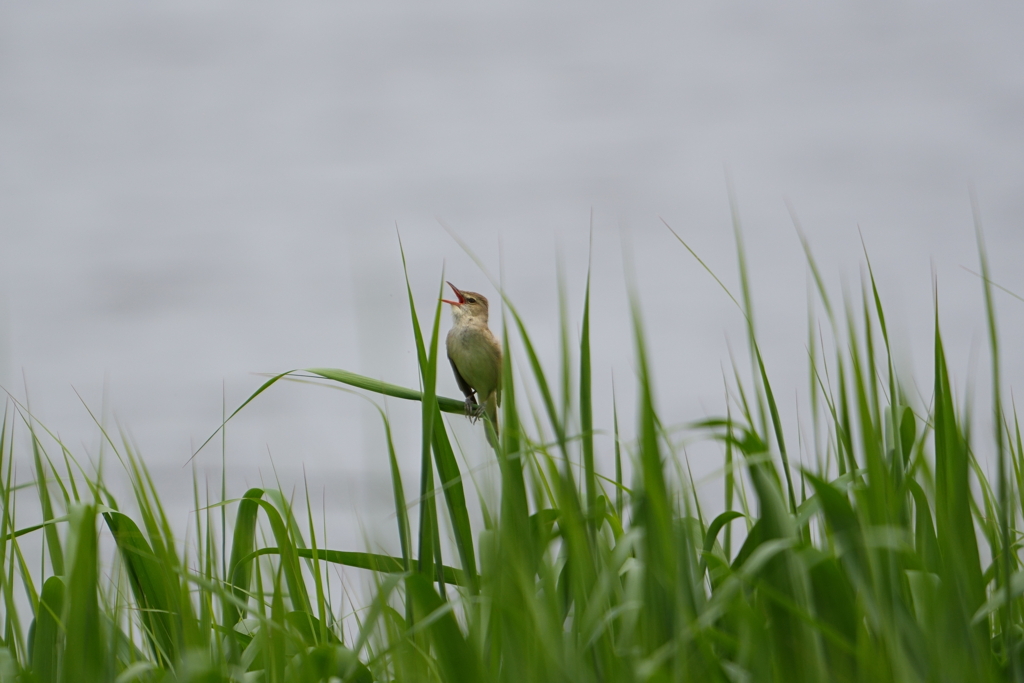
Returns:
point(501, 368)
point(467, 390)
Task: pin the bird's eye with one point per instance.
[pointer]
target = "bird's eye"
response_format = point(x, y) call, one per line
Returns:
point(471, 300)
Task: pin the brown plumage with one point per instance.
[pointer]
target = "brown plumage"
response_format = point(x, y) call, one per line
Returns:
point(475, 355)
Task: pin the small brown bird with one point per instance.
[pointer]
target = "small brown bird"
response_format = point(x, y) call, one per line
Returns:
point(475, 355)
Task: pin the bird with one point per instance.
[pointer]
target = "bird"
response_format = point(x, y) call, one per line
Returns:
point(475, 355)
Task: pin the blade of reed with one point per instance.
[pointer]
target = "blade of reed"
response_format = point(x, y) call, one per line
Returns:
point(444, 404)
point(46, 643)
point(653, 510)
point(587, 411)
point(447, 405)
point(401, 510)
point(456, 659)
point(85, 653)
point(320, 628)
point(430, 559)
point(962, 583)
point(618, 456)
point(712, 534)
point(385, 564)
point(155, 589)
point(53, 545)
point(1009, 558)
point(748, 305)
point(239, 569)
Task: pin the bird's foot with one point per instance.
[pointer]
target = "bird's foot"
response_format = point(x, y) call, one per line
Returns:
point(473, 409)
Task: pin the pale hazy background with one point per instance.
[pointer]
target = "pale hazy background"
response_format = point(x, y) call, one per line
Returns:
point(192, 192)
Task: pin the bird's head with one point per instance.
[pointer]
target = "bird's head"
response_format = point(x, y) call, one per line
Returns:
point(467, 304)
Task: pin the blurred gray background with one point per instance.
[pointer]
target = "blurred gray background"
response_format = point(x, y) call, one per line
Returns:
point(194, 192)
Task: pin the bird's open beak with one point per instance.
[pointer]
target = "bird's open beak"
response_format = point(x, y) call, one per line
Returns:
point(458, 294)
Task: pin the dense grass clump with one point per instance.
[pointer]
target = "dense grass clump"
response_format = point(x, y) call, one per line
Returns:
point(893, 559)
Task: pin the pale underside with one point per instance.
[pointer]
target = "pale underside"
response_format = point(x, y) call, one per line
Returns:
point(475, 355)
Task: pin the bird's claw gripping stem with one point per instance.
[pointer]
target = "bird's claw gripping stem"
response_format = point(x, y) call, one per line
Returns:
point(473, 409)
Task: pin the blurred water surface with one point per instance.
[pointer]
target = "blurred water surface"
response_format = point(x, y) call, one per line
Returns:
point(194, 192)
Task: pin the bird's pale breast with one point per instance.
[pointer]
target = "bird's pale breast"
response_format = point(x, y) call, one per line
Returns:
point(476, 354)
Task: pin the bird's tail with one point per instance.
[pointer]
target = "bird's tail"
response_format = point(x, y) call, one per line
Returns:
point(491, 408)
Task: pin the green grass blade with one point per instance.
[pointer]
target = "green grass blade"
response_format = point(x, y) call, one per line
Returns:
point(654, 512)
point(239, 572)
point(845, 527)
point(430, 561)
point(514, 529)
point(53, 544)
point(956, 537)
point(47, 646)
point(564, 346)
point(428, 530)
point(870, 365)
point(872, 441)
point(274, 647)
point(618, 456)
point(712, 533)
point(446, 405)
point(155, 588)
point(401, 510)
point(385, 564)
point(85, 655)
point(843, 422)
point(899, 456)
point(924, 531)
point(962, 583)
point(748, 305)
point(263, 387)
point(796, 646)
point(819, 282)
point(289, 558)
point(542, 383)
point(587, 411)
point(455, 497)
point(1007, 556)
point(777, 426)
point(456, 658)
point(320, 628)
point(730, 471)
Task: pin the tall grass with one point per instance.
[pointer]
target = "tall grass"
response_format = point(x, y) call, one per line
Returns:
point(893, 558)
